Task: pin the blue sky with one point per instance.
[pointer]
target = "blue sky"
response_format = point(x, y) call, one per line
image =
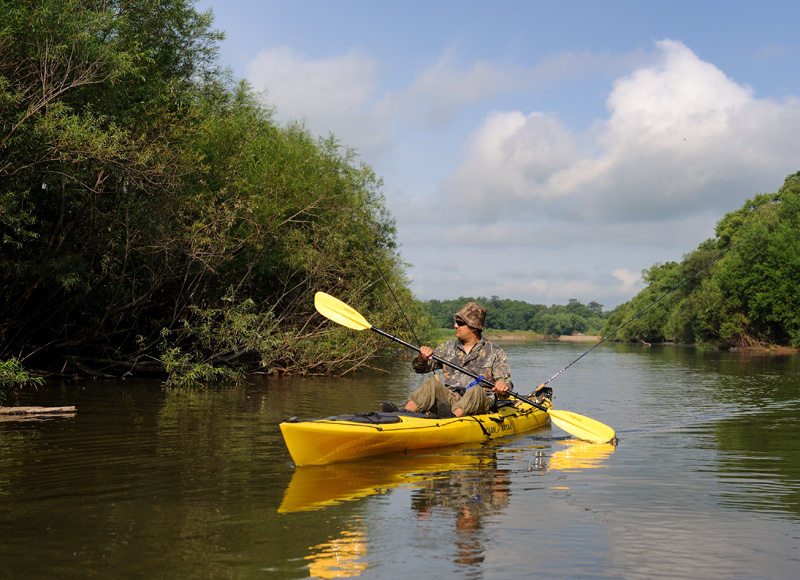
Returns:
point(539, 151)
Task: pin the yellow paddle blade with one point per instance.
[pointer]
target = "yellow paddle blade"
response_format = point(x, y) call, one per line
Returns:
point(582, 427)
point(340, 312)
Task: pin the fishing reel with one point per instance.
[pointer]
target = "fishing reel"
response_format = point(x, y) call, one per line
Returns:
point(542, 394)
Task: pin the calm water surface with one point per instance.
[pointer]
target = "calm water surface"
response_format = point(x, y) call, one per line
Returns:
point(144, 483)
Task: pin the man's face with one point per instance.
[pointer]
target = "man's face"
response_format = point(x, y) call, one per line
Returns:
point(462, 330)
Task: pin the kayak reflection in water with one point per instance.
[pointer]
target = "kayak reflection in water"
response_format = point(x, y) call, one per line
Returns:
point(456, 397)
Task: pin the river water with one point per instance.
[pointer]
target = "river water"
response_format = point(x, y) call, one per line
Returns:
point(148, 483)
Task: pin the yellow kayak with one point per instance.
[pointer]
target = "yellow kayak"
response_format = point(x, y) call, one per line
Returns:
point(348, 437)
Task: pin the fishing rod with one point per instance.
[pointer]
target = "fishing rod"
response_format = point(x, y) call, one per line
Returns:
point(635, 316)
point(389, 286)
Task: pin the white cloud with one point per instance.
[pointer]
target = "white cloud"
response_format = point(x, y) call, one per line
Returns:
point(441, 92)
point(631, 281)
point(438, 94)
point(565, 213)
point(341, 94)
point(332, 95)
point(515, 156)
point(681, 137)
point(302, 86)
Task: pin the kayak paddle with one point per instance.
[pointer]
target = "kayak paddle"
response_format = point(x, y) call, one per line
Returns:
point(581, 427)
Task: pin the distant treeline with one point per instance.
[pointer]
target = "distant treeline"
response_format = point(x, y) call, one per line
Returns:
point(750, 296)
point(505, 314)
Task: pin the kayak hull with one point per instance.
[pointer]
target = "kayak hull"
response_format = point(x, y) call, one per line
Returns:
point(335, 439)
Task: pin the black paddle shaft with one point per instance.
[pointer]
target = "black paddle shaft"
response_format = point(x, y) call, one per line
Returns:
point(458, 368)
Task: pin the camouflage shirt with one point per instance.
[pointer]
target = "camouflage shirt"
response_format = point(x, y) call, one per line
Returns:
point(485, 358)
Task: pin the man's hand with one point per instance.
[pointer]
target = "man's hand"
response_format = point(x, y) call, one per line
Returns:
point(425, 353)
point(500, 387)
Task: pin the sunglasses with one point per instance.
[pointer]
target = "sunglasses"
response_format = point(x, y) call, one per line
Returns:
point(460, 322)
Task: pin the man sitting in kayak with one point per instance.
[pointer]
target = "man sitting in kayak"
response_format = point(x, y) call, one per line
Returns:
point(460, 395)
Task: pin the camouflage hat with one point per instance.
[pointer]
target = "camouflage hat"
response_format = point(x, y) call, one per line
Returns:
point(473, 314)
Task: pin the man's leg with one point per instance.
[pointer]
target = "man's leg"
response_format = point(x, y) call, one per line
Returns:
point(473, 402)
point(427, 395)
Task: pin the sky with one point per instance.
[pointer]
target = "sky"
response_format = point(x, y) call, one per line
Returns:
point(538, 151)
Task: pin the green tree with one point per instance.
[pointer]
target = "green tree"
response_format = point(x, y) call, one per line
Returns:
point(154, 215)
point(738, 289)
point(515, 315)
point(756, 287)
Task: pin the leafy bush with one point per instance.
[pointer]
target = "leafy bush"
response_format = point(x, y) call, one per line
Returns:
point(14, 376)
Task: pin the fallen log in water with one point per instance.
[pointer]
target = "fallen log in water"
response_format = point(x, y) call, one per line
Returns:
point(36, 410)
